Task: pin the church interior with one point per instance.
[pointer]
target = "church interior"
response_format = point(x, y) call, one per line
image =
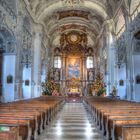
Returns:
point(70, 69)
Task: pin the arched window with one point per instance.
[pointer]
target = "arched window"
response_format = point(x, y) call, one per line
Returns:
point(89, 62)
point(57, 62)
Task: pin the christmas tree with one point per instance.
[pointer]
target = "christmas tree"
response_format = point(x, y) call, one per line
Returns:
point(49, 85)
point(98, 85)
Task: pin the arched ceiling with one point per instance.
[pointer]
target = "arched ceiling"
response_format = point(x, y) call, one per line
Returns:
point(59, 16)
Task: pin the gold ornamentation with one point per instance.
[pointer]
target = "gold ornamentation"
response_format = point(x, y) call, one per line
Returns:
point(72, 2)
point(72, 26)
point(74, 13)
point(73, 42)
point(73, 85)
point(74, 38)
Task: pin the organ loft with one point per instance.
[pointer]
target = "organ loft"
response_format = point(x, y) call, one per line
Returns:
point(69, 69)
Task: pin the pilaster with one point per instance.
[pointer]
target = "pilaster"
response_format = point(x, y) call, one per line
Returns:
point(36, 76)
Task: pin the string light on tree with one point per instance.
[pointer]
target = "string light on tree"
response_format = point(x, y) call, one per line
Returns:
point(98, 85)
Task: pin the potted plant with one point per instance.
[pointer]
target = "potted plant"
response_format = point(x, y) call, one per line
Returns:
point(101, 92)
point(113, 91)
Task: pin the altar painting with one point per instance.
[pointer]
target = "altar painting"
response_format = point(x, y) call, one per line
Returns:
point(74, 68)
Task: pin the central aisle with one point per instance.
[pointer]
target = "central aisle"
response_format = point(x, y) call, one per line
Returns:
point(72, 123)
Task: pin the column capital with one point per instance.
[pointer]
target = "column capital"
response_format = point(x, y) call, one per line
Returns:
point(38, 29)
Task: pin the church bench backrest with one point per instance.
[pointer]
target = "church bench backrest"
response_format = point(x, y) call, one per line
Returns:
point(9, 132)
point(23, 126)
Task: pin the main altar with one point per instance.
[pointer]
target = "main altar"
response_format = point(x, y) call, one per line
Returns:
point(74, 92)
point(73, 87)
point(73, 76)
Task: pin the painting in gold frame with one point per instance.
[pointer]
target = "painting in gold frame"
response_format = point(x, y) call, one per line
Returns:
point(73, 68)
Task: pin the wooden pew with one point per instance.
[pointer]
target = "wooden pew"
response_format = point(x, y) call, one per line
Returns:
point(24, 128)
point(31, 119)
point(31, 116)
point(106, 114)
point(110, 125)
point(118, 125)
point(131, 131)
point(114, 117)
point(10, 132)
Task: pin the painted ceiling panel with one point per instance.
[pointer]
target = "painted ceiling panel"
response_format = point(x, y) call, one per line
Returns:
point(59, 16)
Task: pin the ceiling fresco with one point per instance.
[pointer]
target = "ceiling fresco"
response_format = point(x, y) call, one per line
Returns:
point(65, 16)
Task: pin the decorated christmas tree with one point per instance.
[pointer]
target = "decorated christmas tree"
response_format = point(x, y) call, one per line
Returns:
point(98, 85)
point(49, 86)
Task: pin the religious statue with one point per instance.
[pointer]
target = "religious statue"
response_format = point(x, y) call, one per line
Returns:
point(113, 91)
point(57, 75)
point(90, 75)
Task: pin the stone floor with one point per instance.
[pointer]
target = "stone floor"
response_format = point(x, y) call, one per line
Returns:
point(72, 123)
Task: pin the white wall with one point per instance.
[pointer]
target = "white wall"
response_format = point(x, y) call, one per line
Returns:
point(8, 69)
point(122, 76)
point(26, 88)
point(43, 75)
point(136, 61)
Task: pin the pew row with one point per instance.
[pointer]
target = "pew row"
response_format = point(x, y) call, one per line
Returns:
point(115, 118)
point(28, 117)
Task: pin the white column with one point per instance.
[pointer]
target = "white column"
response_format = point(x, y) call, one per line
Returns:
point(63, 75)
point(47, 61)
point(26, 87)
point(84, 76)
point(36, 84)
point(108, 66)
point(9, 65)
point(18, 78)
point(111, 64)
point(129, 67)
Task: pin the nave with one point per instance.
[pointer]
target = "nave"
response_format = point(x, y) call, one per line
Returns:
point(48, 118)
point(73, 122)
point(70, 44)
